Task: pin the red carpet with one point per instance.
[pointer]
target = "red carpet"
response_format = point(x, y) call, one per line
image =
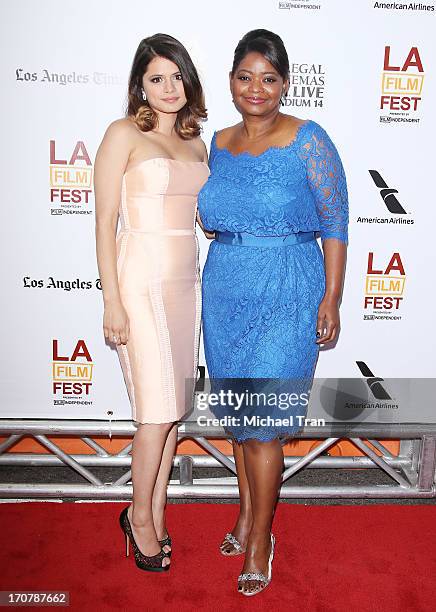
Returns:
point(328, 558)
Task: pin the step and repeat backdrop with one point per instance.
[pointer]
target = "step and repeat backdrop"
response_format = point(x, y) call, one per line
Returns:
point(364, 70)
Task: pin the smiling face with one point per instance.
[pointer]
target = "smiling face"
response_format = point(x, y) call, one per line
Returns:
point(256, 86)
point(163, 86)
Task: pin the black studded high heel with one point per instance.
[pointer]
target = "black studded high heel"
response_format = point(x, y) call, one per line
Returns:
point(166, 542)
point(149, 564)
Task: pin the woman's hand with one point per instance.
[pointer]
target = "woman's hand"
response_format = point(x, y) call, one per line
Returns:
point(116, 323)
point(327, 326)
point(209, 235)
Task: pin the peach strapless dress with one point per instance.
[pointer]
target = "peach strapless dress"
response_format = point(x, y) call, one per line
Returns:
point(159, 280)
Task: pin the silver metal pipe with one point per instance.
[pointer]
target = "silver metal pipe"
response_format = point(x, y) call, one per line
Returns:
point(223, 459)
point(308, 458)
point(122, 480)
point(197, 490)
point(415, 452)
point(63, 456)
point(427, 463)
point(124, 452)
point(416, 439)
point(190, 430)
point(186, 465)
point(102, 452)
point(10, 441)
point(380, 462)
point(379, 446)
point(199, 461)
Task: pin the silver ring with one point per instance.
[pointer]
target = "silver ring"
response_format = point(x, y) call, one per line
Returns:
point(115, 338)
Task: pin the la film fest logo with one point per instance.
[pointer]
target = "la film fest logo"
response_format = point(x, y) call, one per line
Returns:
point(402, 83)
point(390, 200)
point(72, 374)
point(384, 288)
point(70, 181)
point(306, 86)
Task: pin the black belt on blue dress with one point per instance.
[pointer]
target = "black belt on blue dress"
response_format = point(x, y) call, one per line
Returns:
point(246, 239)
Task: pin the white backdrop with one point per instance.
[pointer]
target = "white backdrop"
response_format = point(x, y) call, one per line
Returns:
point(64, 70)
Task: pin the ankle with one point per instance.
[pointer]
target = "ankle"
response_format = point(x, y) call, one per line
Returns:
point(159, 518)
point(260, 534)
point(141, 519)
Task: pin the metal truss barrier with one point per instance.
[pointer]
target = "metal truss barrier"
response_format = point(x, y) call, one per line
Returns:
point(412, 472)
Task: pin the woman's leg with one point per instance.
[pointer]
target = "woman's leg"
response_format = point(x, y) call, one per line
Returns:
point(159, 499)
point(244, 521)
point(263, 466)
point(147, 451)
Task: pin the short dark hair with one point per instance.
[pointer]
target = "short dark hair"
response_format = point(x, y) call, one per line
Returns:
point(267, 43)
point(188, 118)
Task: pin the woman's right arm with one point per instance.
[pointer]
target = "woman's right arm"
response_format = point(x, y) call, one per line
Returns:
point(110, 163)
point(209, 235)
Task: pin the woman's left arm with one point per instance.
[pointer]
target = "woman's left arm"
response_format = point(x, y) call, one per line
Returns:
point(327, 325)
point(328, 184)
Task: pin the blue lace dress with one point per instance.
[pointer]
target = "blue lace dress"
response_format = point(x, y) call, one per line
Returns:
point(260, 304)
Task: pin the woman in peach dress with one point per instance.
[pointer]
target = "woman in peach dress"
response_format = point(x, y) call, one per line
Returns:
point(149, 169)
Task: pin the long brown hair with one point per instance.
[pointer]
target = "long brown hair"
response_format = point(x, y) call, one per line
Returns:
point(189, 117)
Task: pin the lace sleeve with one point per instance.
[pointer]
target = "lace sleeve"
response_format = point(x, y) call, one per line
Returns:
point(328, 184)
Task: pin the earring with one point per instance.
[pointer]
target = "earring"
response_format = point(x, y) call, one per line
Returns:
point(144, 96)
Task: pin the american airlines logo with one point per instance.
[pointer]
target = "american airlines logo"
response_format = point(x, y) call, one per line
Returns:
point(355, 400)
point(373, 382)
point(387, 194)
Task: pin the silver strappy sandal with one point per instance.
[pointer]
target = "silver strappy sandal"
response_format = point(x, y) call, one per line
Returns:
point(230, 538)
point(259, 575)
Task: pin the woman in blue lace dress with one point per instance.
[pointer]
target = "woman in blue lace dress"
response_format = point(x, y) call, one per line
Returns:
point(270, 295)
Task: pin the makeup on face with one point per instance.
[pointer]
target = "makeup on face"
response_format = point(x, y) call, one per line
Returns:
point(256, 84)
point(163, 85)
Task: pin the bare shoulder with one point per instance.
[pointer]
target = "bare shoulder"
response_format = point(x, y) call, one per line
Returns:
point(224, 136)
point(123, 128)
point(118, 142)
point(200, 148)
